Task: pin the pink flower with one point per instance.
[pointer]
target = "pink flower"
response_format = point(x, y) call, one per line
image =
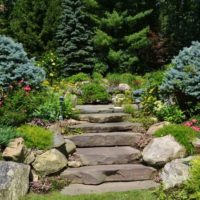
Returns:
point(188, 123)
point(196, 128)
point(27, 88)
point(194, 121)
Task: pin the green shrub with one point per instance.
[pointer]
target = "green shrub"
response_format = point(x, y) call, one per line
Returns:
point(78, 78)
point(170, 113)
point(36, 137)
point(50, 108)
point(18, 106)
point(114, 79)
point(6, 134)
point(184, 135)
point(128, 108)
point(94, 93)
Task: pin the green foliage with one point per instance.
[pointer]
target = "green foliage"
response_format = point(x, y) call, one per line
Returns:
point(74, 39)
point(179, 21)
point(52, 65)
point(34, 23)
point(18, 106)
point(170, 113)
point(184, 135)
point(6, 134)
point(49, 109)
point(94, 93)
point(118, 37)
point(78, 78)
point(36, 137)
point(15, 65)
point(128, 108)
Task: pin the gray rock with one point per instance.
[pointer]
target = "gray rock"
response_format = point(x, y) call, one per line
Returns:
point(108, 127)
point(155, 127)
point(108, 155)
point(70, 147)
point(15, 151)
point(175, 172)
point(103, 117)
point(50, 162)
point(14, 180)
point(162, 150)
point(77, 189)
point(94, 175)
point(106, 139)
point(58, 140)
point(196, 144)
point(88, 109)
point(30, 157)
point(74, 164)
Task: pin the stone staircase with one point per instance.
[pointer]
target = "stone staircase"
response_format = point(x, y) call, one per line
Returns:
point(108, 152)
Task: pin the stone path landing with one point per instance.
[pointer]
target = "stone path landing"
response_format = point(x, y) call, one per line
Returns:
point(109, 153)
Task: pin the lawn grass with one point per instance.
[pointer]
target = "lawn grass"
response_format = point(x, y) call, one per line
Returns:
point(133, 195)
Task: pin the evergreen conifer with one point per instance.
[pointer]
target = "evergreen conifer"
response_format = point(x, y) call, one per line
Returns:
point(74, 38)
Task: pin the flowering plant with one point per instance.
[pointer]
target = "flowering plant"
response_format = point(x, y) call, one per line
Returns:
point(193, 124)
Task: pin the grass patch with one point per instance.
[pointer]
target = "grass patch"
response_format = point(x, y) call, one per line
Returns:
point(184, 135)
point(133, 195)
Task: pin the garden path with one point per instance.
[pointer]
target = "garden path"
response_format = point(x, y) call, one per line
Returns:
point(109, 152)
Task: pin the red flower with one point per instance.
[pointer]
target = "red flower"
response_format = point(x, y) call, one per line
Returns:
point(27, 88)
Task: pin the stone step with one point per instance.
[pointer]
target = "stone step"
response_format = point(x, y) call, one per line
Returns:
point(108, 127)
point(95, 175)
point(106, 139)
point(78, 189)
point(108, 155)
point(88, 109)
point(104, 117)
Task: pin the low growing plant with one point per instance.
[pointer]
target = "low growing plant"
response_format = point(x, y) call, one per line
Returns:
point(78, 78)
point(6, 134)
point(36, 137)
point(184, 135)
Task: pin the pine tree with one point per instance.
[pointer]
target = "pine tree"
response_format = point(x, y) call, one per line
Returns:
point(73, 37)
point(34, 24)
point(121, 33)
point(6, 7)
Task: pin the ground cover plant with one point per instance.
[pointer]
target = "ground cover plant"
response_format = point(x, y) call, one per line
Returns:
point(36, 137)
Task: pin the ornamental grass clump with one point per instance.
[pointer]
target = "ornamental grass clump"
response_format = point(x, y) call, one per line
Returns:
point(184, 135)
point(36, 137)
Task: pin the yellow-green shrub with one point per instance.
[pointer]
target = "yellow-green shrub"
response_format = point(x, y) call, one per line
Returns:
point(36, 137)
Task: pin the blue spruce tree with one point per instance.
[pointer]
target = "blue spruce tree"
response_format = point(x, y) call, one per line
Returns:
point(73, 38)
point(15, 65)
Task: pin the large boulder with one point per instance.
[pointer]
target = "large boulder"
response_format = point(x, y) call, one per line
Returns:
point(175, 172)
point(162, 150)
point(15, 151)
point(14, 180)
point(156, 127)
point(50, 162)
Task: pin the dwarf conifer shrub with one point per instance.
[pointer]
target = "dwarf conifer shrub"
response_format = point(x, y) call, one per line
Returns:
point(182, 80)
point(15, 65)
